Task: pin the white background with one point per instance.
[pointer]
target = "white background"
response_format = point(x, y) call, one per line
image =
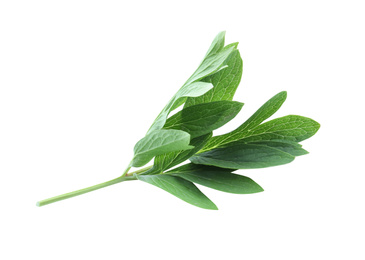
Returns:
point(81, 81)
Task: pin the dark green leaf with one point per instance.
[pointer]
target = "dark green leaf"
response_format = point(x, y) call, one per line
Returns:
point(291, 128)
point(180, 188)
point(203, 118)
point(216, 178)
point(243, 156)
point(159, 142)
point(166, 161)
point(290, 147)
point(263, 113)
point(225, 82)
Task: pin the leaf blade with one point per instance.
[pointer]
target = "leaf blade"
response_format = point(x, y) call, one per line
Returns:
point(243, 156)
point(289, 147)
point(190, 90)
point(225, 82)
point(159, 142)
point(263, 113)
point(180, 188)
point(217, 44)
point(203, 118)
point(217, 178)
point(291, 128)
point(211, 64)
point(166, 161)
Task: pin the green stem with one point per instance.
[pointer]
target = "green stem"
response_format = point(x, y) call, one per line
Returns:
point(85, 190)
point(139, 171)
point(127, 170)
point(125, 177)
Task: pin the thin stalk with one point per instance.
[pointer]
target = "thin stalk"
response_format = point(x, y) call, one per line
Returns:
point(127, 169)
point(139, 171)
point(82, 191)
point(125, 177)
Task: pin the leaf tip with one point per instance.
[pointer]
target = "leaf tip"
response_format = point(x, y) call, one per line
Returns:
point(284, 94)
point(235, 45)
point(214, 207)
point(317, 125)
point(304, 152)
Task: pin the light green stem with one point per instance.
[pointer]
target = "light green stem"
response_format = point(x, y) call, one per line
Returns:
point(139, 171)
point(125, 177)
point(127, 170)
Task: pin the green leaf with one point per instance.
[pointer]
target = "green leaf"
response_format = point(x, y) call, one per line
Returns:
point(289, 147)
point(203, 118)
point(217, 178)
point(159, 142)
point(243, 156)
point(168, 160)
point(208, 96)
point(211, 64)
point(263, 113)
point(189, 90)
point(291, 128)
point(225, 82)
point(180, 188)
point(217, 44)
